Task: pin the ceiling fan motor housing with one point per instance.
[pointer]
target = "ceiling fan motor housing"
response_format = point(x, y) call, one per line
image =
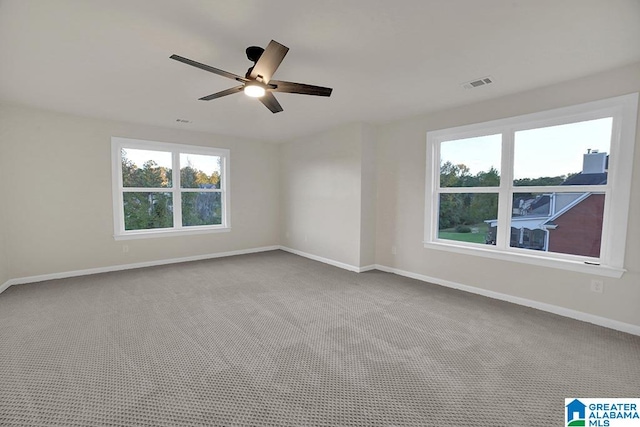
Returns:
point(257, 81)
point(254, 53)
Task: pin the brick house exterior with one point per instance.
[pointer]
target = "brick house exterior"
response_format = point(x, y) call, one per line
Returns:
point(578, 231)
point(561, 222)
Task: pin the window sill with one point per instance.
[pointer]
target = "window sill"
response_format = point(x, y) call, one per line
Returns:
point(150, 234)
point(562, 264)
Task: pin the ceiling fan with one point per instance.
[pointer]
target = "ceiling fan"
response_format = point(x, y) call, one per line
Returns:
point(257, 81)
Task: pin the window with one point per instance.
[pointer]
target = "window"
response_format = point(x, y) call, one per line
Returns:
point(549, 188)
point(164, 189)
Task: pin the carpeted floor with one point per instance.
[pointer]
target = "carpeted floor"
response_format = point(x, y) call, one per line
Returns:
point(274, 339)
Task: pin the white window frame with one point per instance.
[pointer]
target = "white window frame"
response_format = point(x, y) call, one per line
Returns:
point(623, 109)
point(118, 143)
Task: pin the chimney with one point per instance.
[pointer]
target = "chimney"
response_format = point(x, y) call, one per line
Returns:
point(594, 162)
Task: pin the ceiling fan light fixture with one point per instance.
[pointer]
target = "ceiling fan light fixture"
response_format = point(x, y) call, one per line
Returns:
point(254, 91)
point(257, 82)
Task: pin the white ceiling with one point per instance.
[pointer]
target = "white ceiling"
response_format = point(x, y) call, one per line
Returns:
point(385, 59)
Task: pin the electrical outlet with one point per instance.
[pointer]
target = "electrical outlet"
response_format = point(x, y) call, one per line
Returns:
point(597, 286)
point(394, 250)
point(125, 248)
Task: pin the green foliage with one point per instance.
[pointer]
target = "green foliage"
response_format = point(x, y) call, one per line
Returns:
point(479, 237)
point(481, 207)
point(453, 175)
point(466, 208)
point(459, 176)
point(463, 229)
point(201, 209)
point(460, 209)
point(450, 210)
point(144, 211)
point(545, 180)
point(462, 237)
point(154, 209)
point(149, 176)
point(193, 178)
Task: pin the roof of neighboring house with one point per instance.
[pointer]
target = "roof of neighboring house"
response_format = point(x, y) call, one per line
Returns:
point(541, 206)
point(567, 208)
point(586, 179)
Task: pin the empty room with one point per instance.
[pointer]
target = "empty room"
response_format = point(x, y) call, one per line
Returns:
point(319, 213)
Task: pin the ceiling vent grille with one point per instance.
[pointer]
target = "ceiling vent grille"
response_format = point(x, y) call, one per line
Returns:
point(477, 83)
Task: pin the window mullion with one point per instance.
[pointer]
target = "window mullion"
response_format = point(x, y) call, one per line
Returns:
point(177, 196)
point(223, 190)
point(454, 190)
point(435, 198)
point(572, 223)
point(145, 189)
point(504, 197)
point(166, 156)
point(117, 161)
point(561, 189)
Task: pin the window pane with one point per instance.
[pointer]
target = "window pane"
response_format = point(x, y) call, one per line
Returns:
point(572, 154)
point(471, 162)
point(146, 168)
point(201, 208)
point(143, 211)
point(567, 223)
point(468, 217)
point(199, 171)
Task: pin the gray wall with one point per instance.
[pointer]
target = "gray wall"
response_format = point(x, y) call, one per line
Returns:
point(4, 180)
point(337, 194)
point(328, 194)
point(401, 169)
point(368, 198)
point(59, 201)
point(320, 182)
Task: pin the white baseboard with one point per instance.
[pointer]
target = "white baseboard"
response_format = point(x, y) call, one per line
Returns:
point(367, 268)
point(561, 311)
point(550, 308)
point(65, 274)
point(5, 285)
point(330, 261)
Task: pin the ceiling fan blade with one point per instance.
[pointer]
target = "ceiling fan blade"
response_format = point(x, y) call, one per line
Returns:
point(208, 68)
point(229, 91)
point(269, 61)
point(271, 102)
point(290, 87)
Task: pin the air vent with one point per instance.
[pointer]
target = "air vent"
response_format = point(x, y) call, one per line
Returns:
point(477, 83)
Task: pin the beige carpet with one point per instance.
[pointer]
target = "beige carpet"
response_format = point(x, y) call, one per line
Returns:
point(274, 339)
